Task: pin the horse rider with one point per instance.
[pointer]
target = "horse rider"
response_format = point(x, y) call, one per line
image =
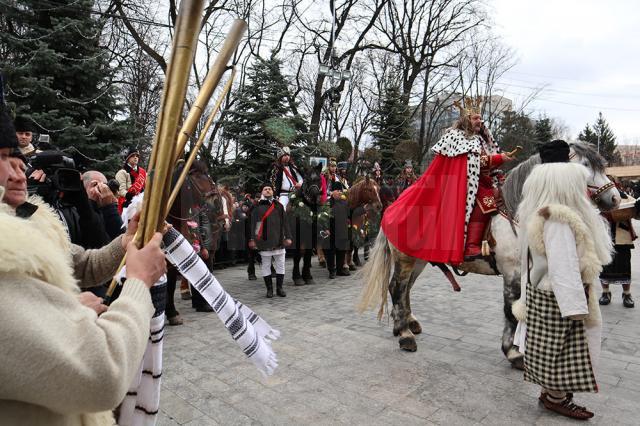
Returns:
point(453, 198)
point(284, 176)
point(270, 236)
point(406, 178)
point(330, 174)
point(376, 174)
point(343, 167)
point(132, 179)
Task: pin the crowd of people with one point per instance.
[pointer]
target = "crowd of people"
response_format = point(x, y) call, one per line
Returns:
point(75, 232)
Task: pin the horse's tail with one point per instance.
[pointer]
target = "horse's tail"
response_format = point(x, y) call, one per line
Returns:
point(376, 274)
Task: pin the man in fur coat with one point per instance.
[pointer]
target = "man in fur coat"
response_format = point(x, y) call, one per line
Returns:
point(564, 244)
point(270, 235)
point(61, 362)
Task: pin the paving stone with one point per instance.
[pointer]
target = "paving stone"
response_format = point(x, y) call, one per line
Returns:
point(340, 367)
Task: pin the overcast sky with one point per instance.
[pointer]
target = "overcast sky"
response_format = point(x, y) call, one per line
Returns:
point(587, 52)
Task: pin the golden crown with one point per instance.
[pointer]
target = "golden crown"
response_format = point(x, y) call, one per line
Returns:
point(469, 105)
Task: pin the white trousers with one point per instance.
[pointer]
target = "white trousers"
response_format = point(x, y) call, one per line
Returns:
point(284, 199)
point(278, 261)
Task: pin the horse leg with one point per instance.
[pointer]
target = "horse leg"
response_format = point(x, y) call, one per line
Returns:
point(297, 278)
point(511, 292)
point(367, 246)
point(413, 323)
point(398, 288)
point(348, 261)
point(306, 266)
point(356, 257)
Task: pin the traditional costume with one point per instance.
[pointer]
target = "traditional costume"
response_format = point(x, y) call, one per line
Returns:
point(132, 180)
point(406, 178)
point(284, 177)
point(564, 244)
point(454, 196)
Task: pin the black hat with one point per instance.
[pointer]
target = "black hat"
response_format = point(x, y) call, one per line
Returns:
point(23, 124)
point(336, 186)
point(133, 150)
point(8, 137)
point(343, 165)
point(556, 151)
point(265, 184)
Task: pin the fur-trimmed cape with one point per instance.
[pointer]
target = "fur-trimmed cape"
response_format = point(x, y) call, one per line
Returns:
point(590, 263)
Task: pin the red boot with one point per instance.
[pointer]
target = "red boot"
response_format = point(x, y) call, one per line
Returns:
point(475, 232)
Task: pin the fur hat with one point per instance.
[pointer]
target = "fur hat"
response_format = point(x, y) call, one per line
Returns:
point(282, 151)
point(408, 163)
point(556, 151)
point(343, 165)
point(376, 166)
point(132, 151)
point(23, 124)
point(336, 186)
point(8, 137)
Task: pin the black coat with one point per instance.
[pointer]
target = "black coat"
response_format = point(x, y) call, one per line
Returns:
point(339, 236)
point(275, 229)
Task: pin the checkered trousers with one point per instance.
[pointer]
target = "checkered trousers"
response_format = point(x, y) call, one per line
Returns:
point(557, 354)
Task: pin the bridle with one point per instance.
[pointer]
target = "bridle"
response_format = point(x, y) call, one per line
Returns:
point(596, 191)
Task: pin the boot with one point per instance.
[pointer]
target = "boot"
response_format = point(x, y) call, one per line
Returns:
point(279, 281)
point(268, 281)
point(605, 299)
point(627, 301)
point(473, 246)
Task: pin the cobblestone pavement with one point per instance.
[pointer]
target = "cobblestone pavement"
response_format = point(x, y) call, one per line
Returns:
point(338, 367)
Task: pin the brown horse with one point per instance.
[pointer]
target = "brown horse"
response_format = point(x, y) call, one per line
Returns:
point(364, 205)
point(201, 212)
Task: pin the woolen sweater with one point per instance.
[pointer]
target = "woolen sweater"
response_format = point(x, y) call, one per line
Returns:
point(61, 363)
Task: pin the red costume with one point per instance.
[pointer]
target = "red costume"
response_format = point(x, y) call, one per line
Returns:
point(428, 220)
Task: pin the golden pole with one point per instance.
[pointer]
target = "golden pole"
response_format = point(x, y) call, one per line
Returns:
point(196, 148)
point(209, 85)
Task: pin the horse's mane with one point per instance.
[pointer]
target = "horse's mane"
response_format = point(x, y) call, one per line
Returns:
point(512, 187)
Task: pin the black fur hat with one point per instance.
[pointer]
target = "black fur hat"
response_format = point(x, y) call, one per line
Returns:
point(556, 151)
point(336, 186)
point(7, 131)
point(132, 150)
point(264, 184)
point(23, 124)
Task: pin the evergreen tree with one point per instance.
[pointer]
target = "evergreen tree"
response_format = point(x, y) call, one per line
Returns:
point(392, 125)
point(601, 136)
point(543, 130)
point(58, 75)
point(262, 120)
point(516, 129)
point(345, 148)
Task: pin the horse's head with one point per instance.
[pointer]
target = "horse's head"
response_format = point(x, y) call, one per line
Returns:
point(365, 192)
point(602, 191)
point(312, 185)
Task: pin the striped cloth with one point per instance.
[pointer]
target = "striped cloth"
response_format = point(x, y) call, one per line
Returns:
point(557, 353)
point(253, 334)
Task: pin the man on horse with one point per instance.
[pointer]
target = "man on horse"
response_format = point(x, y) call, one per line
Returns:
point(343, 167)
point(284, 176)
point(407, 177)
point(330, 174)
point(270, 235)
point(454, 197)
point(376, 174)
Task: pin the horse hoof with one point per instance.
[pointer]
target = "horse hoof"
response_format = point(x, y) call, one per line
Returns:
point(408, 344)
point(415, 327)
point(517, 363)
point(352, 267)
point(309, 281)
point(357, 262)
point(322, 264)
point(298, 281)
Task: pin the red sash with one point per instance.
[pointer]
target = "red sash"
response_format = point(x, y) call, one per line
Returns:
point(264, 218)
point(289, 175)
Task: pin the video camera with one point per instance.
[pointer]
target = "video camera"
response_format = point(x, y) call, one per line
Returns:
point(61, 175)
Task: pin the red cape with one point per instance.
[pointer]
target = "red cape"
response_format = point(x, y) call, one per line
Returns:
point(427, 220)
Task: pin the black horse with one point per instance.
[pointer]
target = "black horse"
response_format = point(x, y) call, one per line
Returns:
point(302, 212)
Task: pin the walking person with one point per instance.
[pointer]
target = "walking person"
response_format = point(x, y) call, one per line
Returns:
point(564, 244)
point(270, 236)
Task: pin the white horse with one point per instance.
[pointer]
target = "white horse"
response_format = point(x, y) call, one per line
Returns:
point(406, 269)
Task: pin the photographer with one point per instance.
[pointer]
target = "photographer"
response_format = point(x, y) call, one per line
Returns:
point(64, 364)
point(53, 177)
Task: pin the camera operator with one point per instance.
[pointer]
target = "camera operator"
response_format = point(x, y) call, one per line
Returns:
point(63, 364)
point(24, 133)
point(54, 178)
